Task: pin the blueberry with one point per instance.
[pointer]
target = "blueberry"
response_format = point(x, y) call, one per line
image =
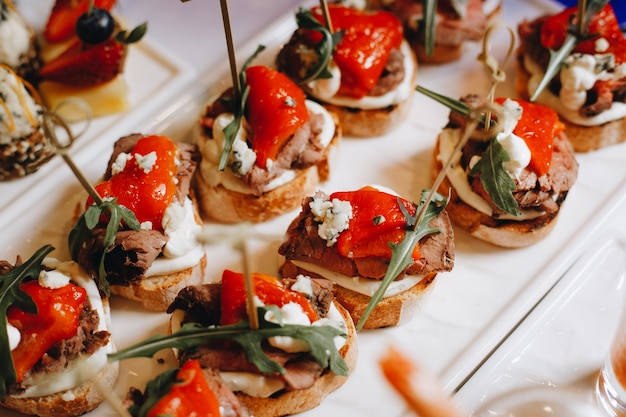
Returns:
point(95, 26)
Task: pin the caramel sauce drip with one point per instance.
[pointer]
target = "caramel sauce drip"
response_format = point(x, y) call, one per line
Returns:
point(10, 122)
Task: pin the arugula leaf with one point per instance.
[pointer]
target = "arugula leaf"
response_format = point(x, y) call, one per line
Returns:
point(494, 178)
point(191, 335)
point(238, 105)
point(12, 295)
point(323, 49)
point(430, 9)
point(402, 253)
point(82, 230)
point(575, 34)
point(156, 389)
point(454, 105)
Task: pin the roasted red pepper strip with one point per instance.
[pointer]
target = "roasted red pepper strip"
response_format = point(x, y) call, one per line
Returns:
point(538, 126)
point(365, 48)
point(266, 287)
point(275, 109)
point(57, 316)
point(146, 192)
point(190, 395)
point(376, 221)
point(604, 24)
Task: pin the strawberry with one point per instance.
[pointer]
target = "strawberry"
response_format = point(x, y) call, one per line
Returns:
point(85, 65)
point(63, 17)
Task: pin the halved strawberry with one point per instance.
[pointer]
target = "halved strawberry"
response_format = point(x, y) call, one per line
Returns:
point(86, 65)
point(65, 13)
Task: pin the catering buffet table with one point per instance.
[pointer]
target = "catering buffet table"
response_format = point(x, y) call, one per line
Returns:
point(469, 311)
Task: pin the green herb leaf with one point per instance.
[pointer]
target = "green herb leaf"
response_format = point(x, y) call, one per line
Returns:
point(239, 107)
point(191, 335)
point(134, 36)
point(430, 9)
point(323, 49)
point(494, 178)
point(456, 106)
point(574, 36)
point(12, 295)
point(402, 253)
point(82, 230)
point(156, 389)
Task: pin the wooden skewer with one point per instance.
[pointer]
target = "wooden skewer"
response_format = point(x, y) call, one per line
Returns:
point(495, 70)
point(327, 21)
point(253, 316)
point(62, 150)
point(231, 49)
point(582, 6)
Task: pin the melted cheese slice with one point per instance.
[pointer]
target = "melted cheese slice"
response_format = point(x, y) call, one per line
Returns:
point(363, 286)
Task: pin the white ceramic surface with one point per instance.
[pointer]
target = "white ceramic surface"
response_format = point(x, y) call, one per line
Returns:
point(468, 311)
point(554, 355)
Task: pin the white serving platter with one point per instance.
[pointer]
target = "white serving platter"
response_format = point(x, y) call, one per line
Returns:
point(468, 311)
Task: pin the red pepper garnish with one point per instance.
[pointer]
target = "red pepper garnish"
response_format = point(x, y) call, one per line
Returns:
point(604, 24)
point(376, 221)
point(275, 109)
point(147, 194)
point(538, 126)
point(57, 315)
point(190, 395)
point(364, 50)
point(266, 287)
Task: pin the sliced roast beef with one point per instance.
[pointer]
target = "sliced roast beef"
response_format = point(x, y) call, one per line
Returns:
point(228, 402)
point(302, 150)
point(86, 341)
point(543, 193)
point(304, 244)
point(297, 55)
point(128, 259)
point(188, 159)
point(599, 98)
point(301, 368)
point(133, 252)
point(529, 32)
point(322, 296)
point(451, 29)
point(201, 304)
